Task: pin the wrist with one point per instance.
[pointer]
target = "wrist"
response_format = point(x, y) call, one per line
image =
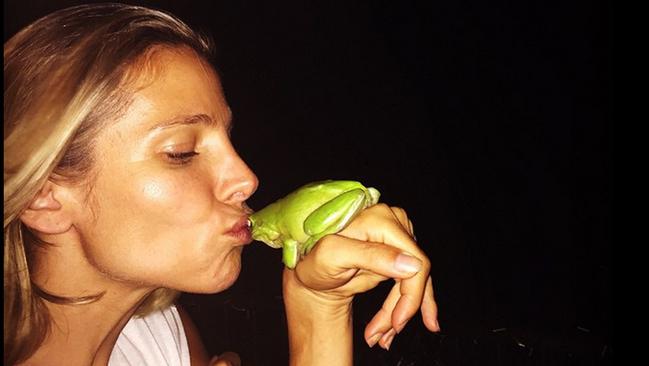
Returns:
point(320, 302)
point(319, 325)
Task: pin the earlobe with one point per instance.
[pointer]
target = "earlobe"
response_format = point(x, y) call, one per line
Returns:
point(46, 213)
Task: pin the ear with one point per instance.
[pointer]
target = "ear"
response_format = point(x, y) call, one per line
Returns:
point(46, 213)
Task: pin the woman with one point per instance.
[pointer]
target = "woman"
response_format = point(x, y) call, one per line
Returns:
point(122, 188)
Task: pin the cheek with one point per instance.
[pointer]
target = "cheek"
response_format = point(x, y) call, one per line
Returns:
point(147, 213)
point(176, 201)
point(154, 191)
point(170, 222)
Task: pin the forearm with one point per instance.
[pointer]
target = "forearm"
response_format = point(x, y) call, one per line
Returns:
point(320, 332)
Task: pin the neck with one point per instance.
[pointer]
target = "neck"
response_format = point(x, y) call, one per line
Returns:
point(85, 334)
point(81, 334)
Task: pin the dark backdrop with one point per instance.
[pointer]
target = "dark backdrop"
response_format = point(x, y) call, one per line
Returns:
point(487, 121)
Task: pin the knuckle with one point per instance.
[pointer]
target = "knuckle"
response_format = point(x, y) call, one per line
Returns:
point(398, 210)
point(425, 264)
point(374, 214)
point(324, 249)
point(325, 242)
point(301, 276)
point(382, 207)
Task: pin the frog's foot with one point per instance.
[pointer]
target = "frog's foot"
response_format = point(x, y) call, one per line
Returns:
point(374, 196)
point(334, 215)
point(290, 253)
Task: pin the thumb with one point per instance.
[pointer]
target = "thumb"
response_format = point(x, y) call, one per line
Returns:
point(340, 254)
point(382, 259)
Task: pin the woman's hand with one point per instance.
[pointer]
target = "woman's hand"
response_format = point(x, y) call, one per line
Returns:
point(226, 359)
point(377, 245)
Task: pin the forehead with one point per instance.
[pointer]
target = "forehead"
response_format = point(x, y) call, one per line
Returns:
point(177, 69)
point(173, 82)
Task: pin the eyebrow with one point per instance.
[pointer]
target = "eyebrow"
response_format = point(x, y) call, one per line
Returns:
point(191, 120)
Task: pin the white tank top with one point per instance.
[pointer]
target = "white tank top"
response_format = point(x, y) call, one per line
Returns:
point(157, 339)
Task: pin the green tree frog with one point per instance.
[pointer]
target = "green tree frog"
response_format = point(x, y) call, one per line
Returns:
point(297, 221)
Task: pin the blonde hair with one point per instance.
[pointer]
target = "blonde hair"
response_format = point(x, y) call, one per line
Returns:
point(66, 76)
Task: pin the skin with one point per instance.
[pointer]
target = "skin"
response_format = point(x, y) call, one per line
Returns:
point(162, 202)
point(297, 221)
point(168, 227)
point(318, 294)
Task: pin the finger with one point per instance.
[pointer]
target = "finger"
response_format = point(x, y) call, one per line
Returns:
point(337, 254)
point(226, 359)
point(429, 308)
point(385, 260)
point(387, 338)
point(364, 281)
point(412, 294)
point(394, 232)
point(387, 318)
point(411, 229)
point(407, 306)
point(413, 288)
point(381, 322)
point(401, 216)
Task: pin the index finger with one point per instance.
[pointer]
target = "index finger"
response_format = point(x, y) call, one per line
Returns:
point(414, 288)
point(416, 291)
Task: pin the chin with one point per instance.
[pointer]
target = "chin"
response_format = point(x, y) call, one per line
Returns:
point(225, 276)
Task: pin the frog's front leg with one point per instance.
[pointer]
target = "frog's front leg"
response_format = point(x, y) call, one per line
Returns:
point(333, 216)
point(290, 253)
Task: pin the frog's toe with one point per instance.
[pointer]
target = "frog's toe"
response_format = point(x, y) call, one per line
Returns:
point(290, 253)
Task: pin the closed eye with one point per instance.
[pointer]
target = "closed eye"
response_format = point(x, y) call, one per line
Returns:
point(181, 158)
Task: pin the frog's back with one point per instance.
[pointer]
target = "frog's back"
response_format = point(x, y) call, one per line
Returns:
point(330, 185)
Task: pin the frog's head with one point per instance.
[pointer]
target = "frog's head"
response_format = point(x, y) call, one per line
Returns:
point(264, 232)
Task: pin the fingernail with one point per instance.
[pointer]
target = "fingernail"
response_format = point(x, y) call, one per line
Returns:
point(407, 263)
point(387, 341)
point(438, 327)
point(373, 339)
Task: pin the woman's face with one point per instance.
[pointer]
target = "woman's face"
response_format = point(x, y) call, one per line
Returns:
point(167, 206)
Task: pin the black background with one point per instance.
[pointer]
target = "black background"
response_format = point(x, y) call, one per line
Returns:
point(488, 121)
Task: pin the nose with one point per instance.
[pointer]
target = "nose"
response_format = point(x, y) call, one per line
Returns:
point(238, 182)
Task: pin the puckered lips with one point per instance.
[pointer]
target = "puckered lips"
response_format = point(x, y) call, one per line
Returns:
point(240, 231)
